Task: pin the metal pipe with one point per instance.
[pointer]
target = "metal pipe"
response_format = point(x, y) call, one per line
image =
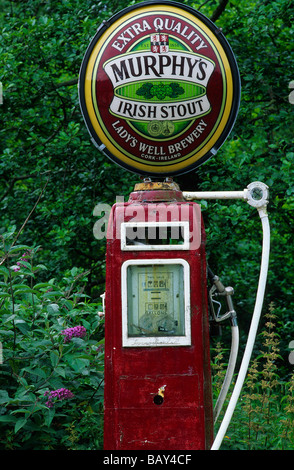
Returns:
point(256, 194)
point(191, 195)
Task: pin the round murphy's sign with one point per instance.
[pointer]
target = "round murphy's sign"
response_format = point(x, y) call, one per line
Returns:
point(159, 88)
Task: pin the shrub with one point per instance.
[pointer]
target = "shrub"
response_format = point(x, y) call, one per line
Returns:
point(51, 394)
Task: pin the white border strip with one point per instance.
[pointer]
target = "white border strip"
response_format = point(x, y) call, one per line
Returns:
point(141, 247)
point(151, 341)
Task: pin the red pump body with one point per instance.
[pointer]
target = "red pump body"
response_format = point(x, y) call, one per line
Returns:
point(157, 361)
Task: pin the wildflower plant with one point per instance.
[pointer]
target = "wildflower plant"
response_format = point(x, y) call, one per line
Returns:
point(57, 395)
point(264, 415)
point(21, 264)
point(51, 376)
point(286, 436)
point(78, 331)
point(218, 368)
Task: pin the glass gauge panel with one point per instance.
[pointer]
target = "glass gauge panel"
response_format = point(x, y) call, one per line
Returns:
point(155, 300)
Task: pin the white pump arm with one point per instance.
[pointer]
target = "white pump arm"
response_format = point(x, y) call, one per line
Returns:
point(256, 194)
point(192, 195)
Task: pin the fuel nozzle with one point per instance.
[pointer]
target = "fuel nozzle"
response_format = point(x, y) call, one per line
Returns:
point(218, 284)
point(218, 289)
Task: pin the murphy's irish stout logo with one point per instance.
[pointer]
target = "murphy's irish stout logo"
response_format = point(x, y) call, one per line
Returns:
point(159, 88)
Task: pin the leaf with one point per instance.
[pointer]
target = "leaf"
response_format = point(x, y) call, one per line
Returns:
point(52, 308)
point(4, 271)
point(10, 233)
point(43, 285)
point(10, 318)
point(23, 288)
point(49, 416)
point(7, 419)
point(17, 248)
point(54, 357)
point(20, 423)
point(79, 364)
point(39, 372)
point(22, 326)
point(4, 397)
point(52, 294)
point(60, 371)
point(41, 266)
point(34, 371)
point(74, 271)
point(4, 294)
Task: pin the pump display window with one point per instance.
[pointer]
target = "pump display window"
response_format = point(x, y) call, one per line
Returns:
point(156, 300)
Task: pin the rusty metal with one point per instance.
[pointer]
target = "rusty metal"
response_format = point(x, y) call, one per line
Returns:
point(149, 185)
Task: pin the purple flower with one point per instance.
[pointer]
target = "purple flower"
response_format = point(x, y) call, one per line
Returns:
point(59, 394)
point(76, 331)
point(23, 258)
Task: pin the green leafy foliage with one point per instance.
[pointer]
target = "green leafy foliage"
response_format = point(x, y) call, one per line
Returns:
point(260, 148)
point(52, 177)
point(38, 361)
point(263, 419)
point(43, 139)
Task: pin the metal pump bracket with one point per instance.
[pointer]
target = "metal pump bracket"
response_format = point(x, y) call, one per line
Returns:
point(256, 194)
point(219, 289)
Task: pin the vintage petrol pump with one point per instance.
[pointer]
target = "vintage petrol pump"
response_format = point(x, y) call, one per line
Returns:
point(159, 90)
point(157, 360)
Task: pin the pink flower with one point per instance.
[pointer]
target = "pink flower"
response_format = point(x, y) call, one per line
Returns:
point(19, 264)
point(59, 394)
point(77, 331)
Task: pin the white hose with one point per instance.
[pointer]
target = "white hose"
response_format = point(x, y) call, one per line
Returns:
point(253, 329)
point(229, 374)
